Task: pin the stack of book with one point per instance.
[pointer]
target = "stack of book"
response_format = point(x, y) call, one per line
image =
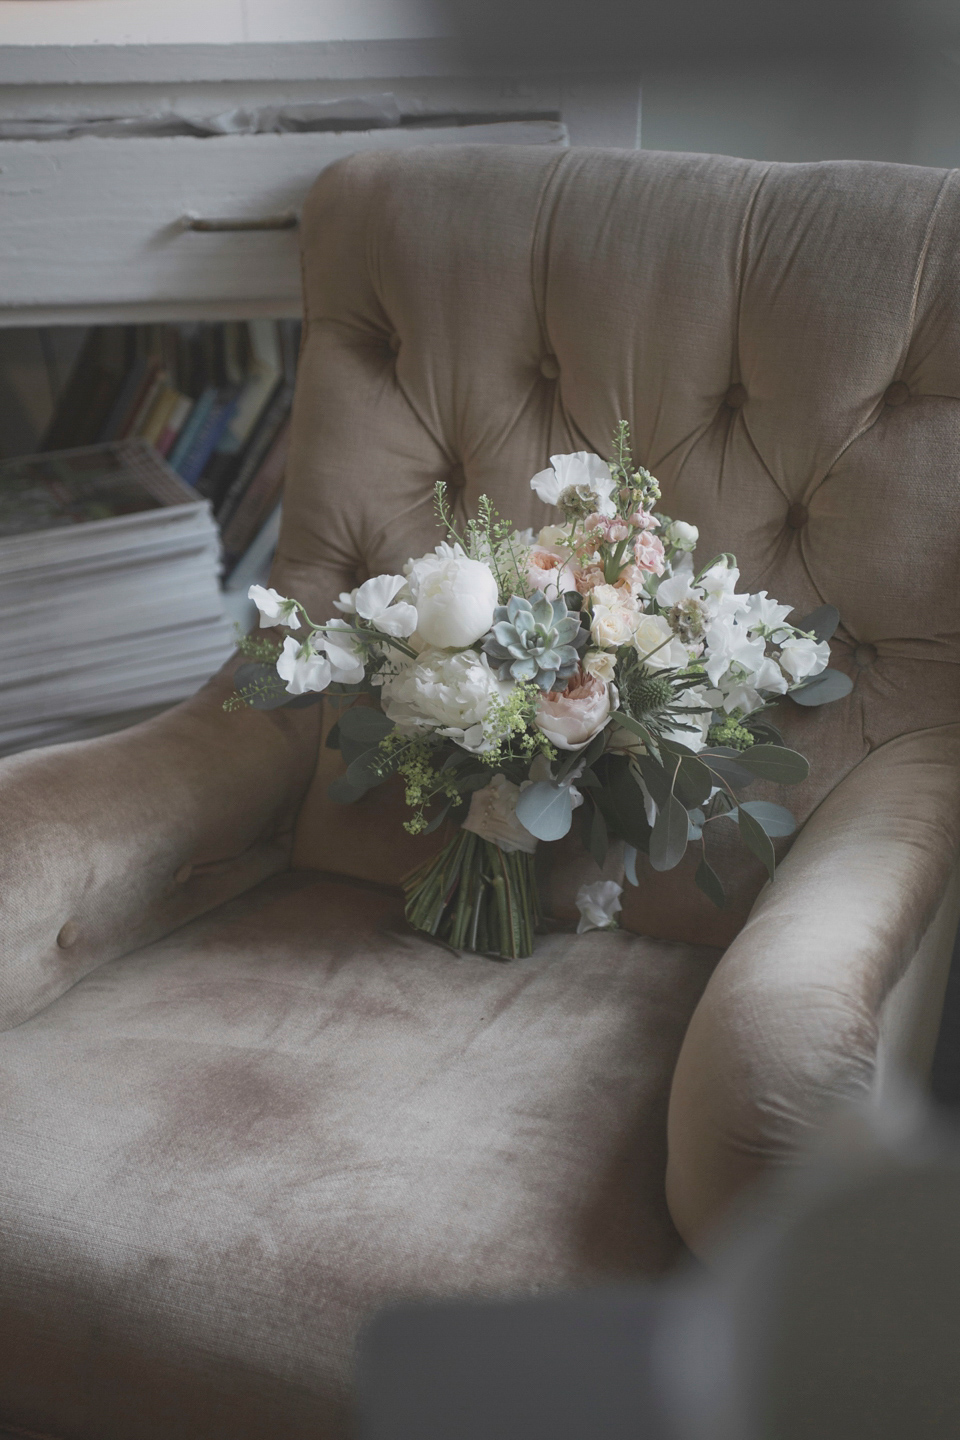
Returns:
point(108, 589)
point(213, 400)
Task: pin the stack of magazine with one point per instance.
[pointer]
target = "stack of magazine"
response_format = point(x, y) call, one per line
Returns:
point(109, 592)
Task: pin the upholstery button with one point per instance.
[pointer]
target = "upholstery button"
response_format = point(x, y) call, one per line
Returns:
point(736, 396)
point(68, 935)
point(182, 875)
point(864, 656)
point(797, 516)
point(550, 367)
point(394, 343)
point(896, 393)
point(457, 479)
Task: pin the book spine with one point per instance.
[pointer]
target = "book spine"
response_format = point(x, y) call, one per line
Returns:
point(205, 440)
point(198, 416)
point(174, 424)
point(260, 498)
point(263, 437)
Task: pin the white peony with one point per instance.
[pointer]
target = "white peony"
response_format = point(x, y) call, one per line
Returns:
point(599, 904)
point(376, 601)
point(803, 658)
point(455, 598)
point(449, 693)
point(682, 535)
point(274, 608)
point(581, 474)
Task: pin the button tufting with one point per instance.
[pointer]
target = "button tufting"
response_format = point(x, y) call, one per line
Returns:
point(736, 396)
point(864, 656)
point(68, 935)
point(457, 479)
point(797, 516)
point(394, 343)
point(896, 393)
point(550, 367)
point(182, 875)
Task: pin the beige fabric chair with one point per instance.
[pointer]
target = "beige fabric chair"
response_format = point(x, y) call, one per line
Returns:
point(243, 1105)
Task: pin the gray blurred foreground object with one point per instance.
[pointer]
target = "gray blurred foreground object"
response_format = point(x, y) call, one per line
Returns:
point(830, 1311)
point(244, 1107)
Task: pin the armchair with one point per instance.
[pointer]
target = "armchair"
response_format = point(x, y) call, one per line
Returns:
point(243, 1104)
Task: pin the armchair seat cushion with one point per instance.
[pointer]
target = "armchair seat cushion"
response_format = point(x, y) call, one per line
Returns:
point(220, 1153)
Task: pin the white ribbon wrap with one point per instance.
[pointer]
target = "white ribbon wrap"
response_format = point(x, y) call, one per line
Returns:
point(493, 816)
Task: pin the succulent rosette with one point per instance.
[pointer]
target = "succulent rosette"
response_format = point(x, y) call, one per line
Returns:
point(514, 681)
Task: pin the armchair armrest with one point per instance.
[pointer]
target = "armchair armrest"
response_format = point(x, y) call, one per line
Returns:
point(790, 1021)
point(108, 844)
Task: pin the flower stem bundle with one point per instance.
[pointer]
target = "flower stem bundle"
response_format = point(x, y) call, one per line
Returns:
point(475, 896)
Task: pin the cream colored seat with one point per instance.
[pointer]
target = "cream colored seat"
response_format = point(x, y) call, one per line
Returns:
point(243, 1104)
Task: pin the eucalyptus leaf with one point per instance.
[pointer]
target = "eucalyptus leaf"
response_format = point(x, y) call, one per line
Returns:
point(822, 622)
point(362, 722)
point(668, 839)
point(756, 839)
point(344, 792)
point(655, 778)
point(332, 741)
point(254, 672)
point(598, 842)
point(709, 882)
point(630, 865)
point(693, 782)
point(546, 810)
point(775, 763)
point(303, 702)
point(775, 819)
point(724, 762)
point(628, 723)
point(621, 801)
point(369, 769)
point(828, 685)
point(437, 820)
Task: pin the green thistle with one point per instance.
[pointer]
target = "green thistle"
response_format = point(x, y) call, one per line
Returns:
point(644, 694)
point(537, 641)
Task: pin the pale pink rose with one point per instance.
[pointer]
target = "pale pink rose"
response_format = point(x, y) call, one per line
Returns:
point(648, 550)
point(548, 569)
point(571, 717)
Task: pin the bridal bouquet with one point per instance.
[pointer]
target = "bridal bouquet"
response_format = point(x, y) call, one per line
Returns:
point(514, 680)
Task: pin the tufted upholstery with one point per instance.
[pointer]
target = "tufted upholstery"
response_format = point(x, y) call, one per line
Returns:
point(243, 1107)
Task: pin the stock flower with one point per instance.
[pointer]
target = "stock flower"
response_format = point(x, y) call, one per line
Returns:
point(579, 477)
point(455, 597)
point(571, 717)
point(648, 552)
point(274, 608)
point(548, 569)
point(449, 693)
point(599, 904)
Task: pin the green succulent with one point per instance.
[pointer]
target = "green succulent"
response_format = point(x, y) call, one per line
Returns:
point(537, 640)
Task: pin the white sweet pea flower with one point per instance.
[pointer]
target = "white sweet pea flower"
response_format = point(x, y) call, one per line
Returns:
point(803, 658)
point(719, 585)
point(346, 658)
point(682, 535)
point(679, 587)
point(303, 668)
point(599, 904)
point(455, 598)
point(729, 643)
point(764, 613)
point(274, 608)
point(581, 474)
point(376, 602)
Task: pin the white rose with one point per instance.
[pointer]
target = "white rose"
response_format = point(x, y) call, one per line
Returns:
point(601, 664)
point(580, 474)
point(615, 616)
point(274, 608)
point(802, 658)
point(657, 645)
point(455, 598)
point(449, 693)
point(554, 535)
point(599, 904)
point(682, 535)
point(571, 717)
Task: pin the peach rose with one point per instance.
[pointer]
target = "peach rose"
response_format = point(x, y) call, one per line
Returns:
point(549, 570)
point(571, 717)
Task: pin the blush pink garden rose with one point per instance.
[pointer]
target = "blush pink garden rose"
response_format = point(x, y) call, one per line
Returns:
point(549, 570)
point(571, 717)
point(648, 552)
